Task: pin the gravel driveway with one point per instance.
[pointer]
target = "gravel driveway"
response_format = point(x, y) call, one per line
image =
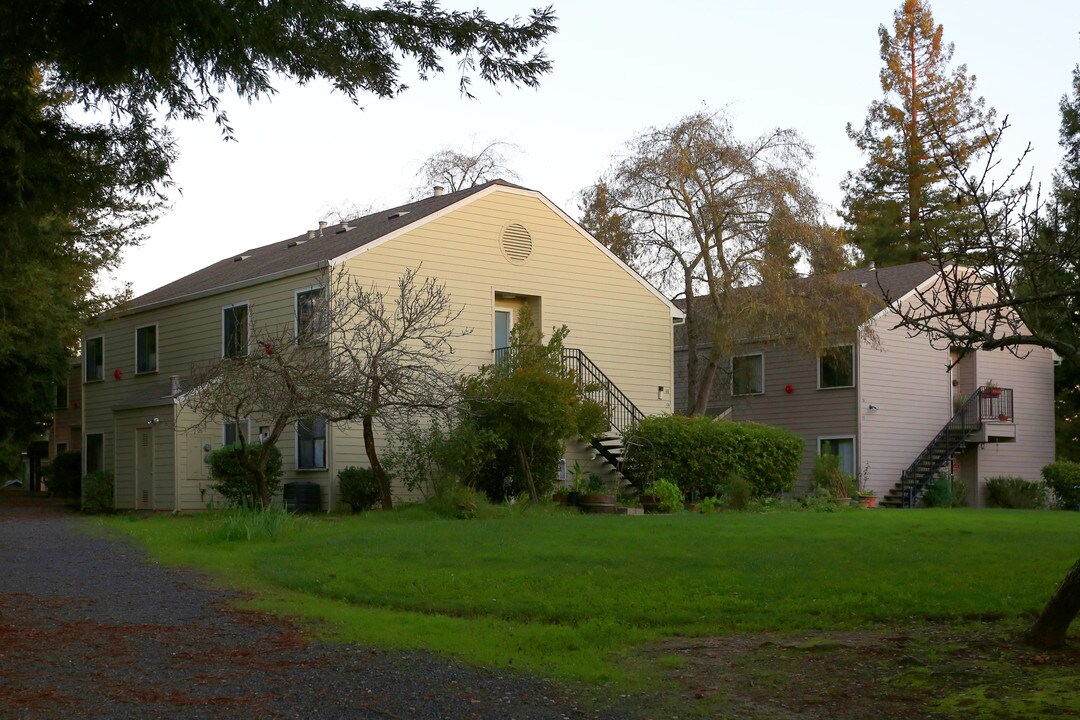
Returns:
point(90, 627)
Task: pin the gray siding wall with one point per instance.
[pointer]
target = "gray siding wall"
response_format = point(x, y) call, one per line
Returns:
point(808, 412)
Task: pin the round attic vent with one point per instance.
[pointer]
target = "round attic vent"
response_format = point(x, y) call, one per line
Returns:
point(516, 243)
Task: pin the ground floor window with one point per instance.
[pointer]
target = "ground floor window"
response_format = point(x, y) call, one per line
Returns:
point(311, 443)
point(842, 446)
point(95, 452)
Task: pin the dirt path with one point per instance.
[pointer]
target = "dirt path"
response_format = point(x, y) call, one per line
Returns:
point(89, 627)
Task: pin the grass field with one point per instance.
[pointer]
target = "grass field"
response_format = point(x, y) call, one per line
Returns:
point(595, 599)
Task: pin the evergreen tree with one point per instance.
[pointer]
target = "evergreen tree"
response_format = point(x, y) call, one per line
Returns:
point(74, 195)
point(1061, 235)
point(903, 192)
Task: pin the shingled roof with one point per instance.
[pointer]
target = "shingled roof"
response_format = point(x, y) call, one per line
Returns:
point(885, 284)
point(301, 252)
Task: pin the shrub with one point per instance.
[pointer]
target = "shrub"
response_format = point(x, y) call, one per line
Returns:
point(1014, 492)
point(668, 496)
point(1063, 477)
point(97, 493)
point(65, 474)
point(233, 481)
point(359, 488)
point(710, 505)
point(945, 492)
point(454, 500)
point(737, 493)
point(700, 454)
point(829, 478)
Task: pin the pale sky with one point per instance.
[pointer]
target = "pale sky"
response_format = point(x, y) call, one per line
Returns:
point(619, 68)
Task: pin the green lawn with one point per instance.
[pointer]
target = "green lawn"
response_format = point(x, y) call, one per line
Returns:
point(577, 597)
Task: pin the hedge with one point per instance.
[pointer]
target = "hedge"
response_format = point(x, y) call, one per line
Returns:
point(700, 454)
point(1063, 477)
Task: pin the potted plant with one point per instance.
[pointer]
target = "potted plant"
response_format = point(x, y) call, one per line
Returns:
point(1003, 417)
point(597, 497)
point(867, 498)
point(990, 389)
point(573, 496)
point(662, 496)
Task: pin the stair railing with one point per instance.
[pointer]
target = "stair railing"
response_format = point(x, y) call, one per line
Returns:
point(598, 387)
point(593, 384)
point(966, 420)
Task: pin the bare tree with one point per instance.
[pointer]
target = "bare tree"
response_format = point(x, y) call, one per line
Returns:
point(1010, 280)
point(279, 380)
point(455, 169)
point(706, 216)
point(363, 353)
point(394, 353)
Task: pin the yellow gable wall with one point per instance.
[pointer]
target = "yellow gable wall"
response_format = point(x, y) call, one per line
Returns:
point(622, 326)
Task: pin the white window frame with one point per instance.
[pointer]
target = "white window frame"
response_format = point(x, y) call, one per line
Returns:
point(157, 349)
point(494, 325)
point(247, 430)
point(746, 355)
point(326, 447)
point(86, 364)
point(821, 356)
point(854, 449)
point(321, 339)
point(86, 451)
point(247, 319)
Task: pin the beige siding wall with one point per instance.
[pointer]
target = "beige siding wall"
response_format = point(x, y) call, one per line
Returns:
point(906, 380)
point(620, 324)
point(1032, 381)
point(188, 333)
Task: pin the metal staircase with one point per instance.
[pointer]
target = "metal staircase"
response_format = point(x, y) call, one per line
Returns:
point(984, 404)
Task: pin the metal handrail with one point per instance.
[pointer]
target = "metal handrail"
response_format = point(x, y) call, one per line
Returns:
point(593, 384)
point(986, 403)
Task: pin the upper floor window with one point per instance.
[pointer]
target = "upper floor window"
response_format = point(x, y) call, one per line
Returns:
point(748, 374)
point(94, 358)
point(231, 431)
point(234, 331)
point(311, 443)
point(62, 395)
point(146, 349)
point(310, 316)
point(836, 367)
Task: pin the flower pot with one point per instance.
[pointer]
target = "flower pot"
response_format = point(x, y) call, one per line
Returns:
point(990, 392)
point(559, 498)
point(598, 503)
point(1002, 417)
point(842, 501)
point(573, 498)
point(868, 501)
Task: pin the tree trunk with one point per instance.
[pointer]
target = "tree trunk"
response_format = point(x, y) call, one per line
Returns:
point(1049, 630)
point(376, 466)
point(700, 403)
point(523, 460)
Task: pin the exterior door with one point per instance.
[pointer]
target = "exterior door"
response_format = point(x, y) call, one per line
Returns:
point(504, 323)
point(144, 469)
